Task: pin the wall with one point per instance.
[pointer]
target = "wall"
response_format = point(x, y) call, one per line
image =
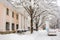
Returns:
point(7, 18)
point(2, 17)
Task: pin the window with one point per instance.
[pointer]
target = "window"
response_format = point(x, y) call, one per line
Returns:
point(7, 11)
point(13, 14)
point(16, 16)
point(12, 26)
point(17, 26)
point(7, 25)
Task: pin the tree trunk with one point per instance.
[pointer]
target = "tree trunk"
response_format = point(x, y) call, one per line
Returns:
point(31, 12)
point(31, 25)
point(36, 27)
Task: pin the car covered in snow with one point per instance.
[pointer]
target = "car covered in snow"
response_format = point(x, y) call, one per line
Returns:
point(52, 32)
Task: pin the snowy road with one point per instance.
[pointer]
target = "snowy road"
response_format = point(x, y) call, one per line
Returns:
point(40, 35)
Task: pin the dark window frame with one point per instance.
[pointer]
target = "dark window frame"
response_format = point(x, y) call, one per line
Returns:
point(7, 11)
point(13, 26)
point(17, 26)
point(13, 14)
point(7, 26)
point(17, 16)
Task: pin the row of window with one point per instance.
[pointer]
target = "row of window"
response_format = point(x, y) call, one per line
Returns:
point(13, 26)
point(12, 13)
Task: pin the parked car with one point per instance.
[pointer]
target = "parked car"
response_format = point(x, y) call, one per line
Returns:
point(52, 32)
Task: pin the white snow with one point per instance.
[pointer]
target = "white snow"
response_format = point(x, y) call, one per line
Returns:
point(39, 35)
point(15, 37)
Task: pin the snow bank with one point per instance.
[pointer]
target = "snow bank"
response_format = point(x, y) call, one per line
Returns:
point(37, 35)
point(15, 37)
point(42, 32)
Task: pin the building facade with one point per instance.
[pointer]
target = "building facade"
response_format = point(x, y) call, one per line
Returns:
point(10, 19)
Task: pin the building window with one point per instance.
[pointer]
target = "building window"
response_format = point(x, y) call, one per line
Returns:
point(13, 14)
point(13, 27)
point(17, 26)
point(7, 25)
point(16, 16)
point(7, 11)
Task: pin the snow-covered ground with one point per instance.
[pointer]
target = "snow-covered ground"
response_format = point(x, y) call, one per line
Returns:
point(39, 35)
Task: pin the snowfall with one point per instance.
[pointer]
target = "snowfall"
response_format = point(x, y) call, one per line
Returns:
point(36, 35)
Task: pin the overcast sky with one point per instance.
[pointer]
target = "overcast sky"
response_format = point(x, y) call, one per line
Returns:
point(58, 2)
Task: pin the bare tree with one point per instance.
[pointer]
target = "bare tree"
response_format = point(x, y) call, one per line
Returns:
point(32, 12)
point(37, 20)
